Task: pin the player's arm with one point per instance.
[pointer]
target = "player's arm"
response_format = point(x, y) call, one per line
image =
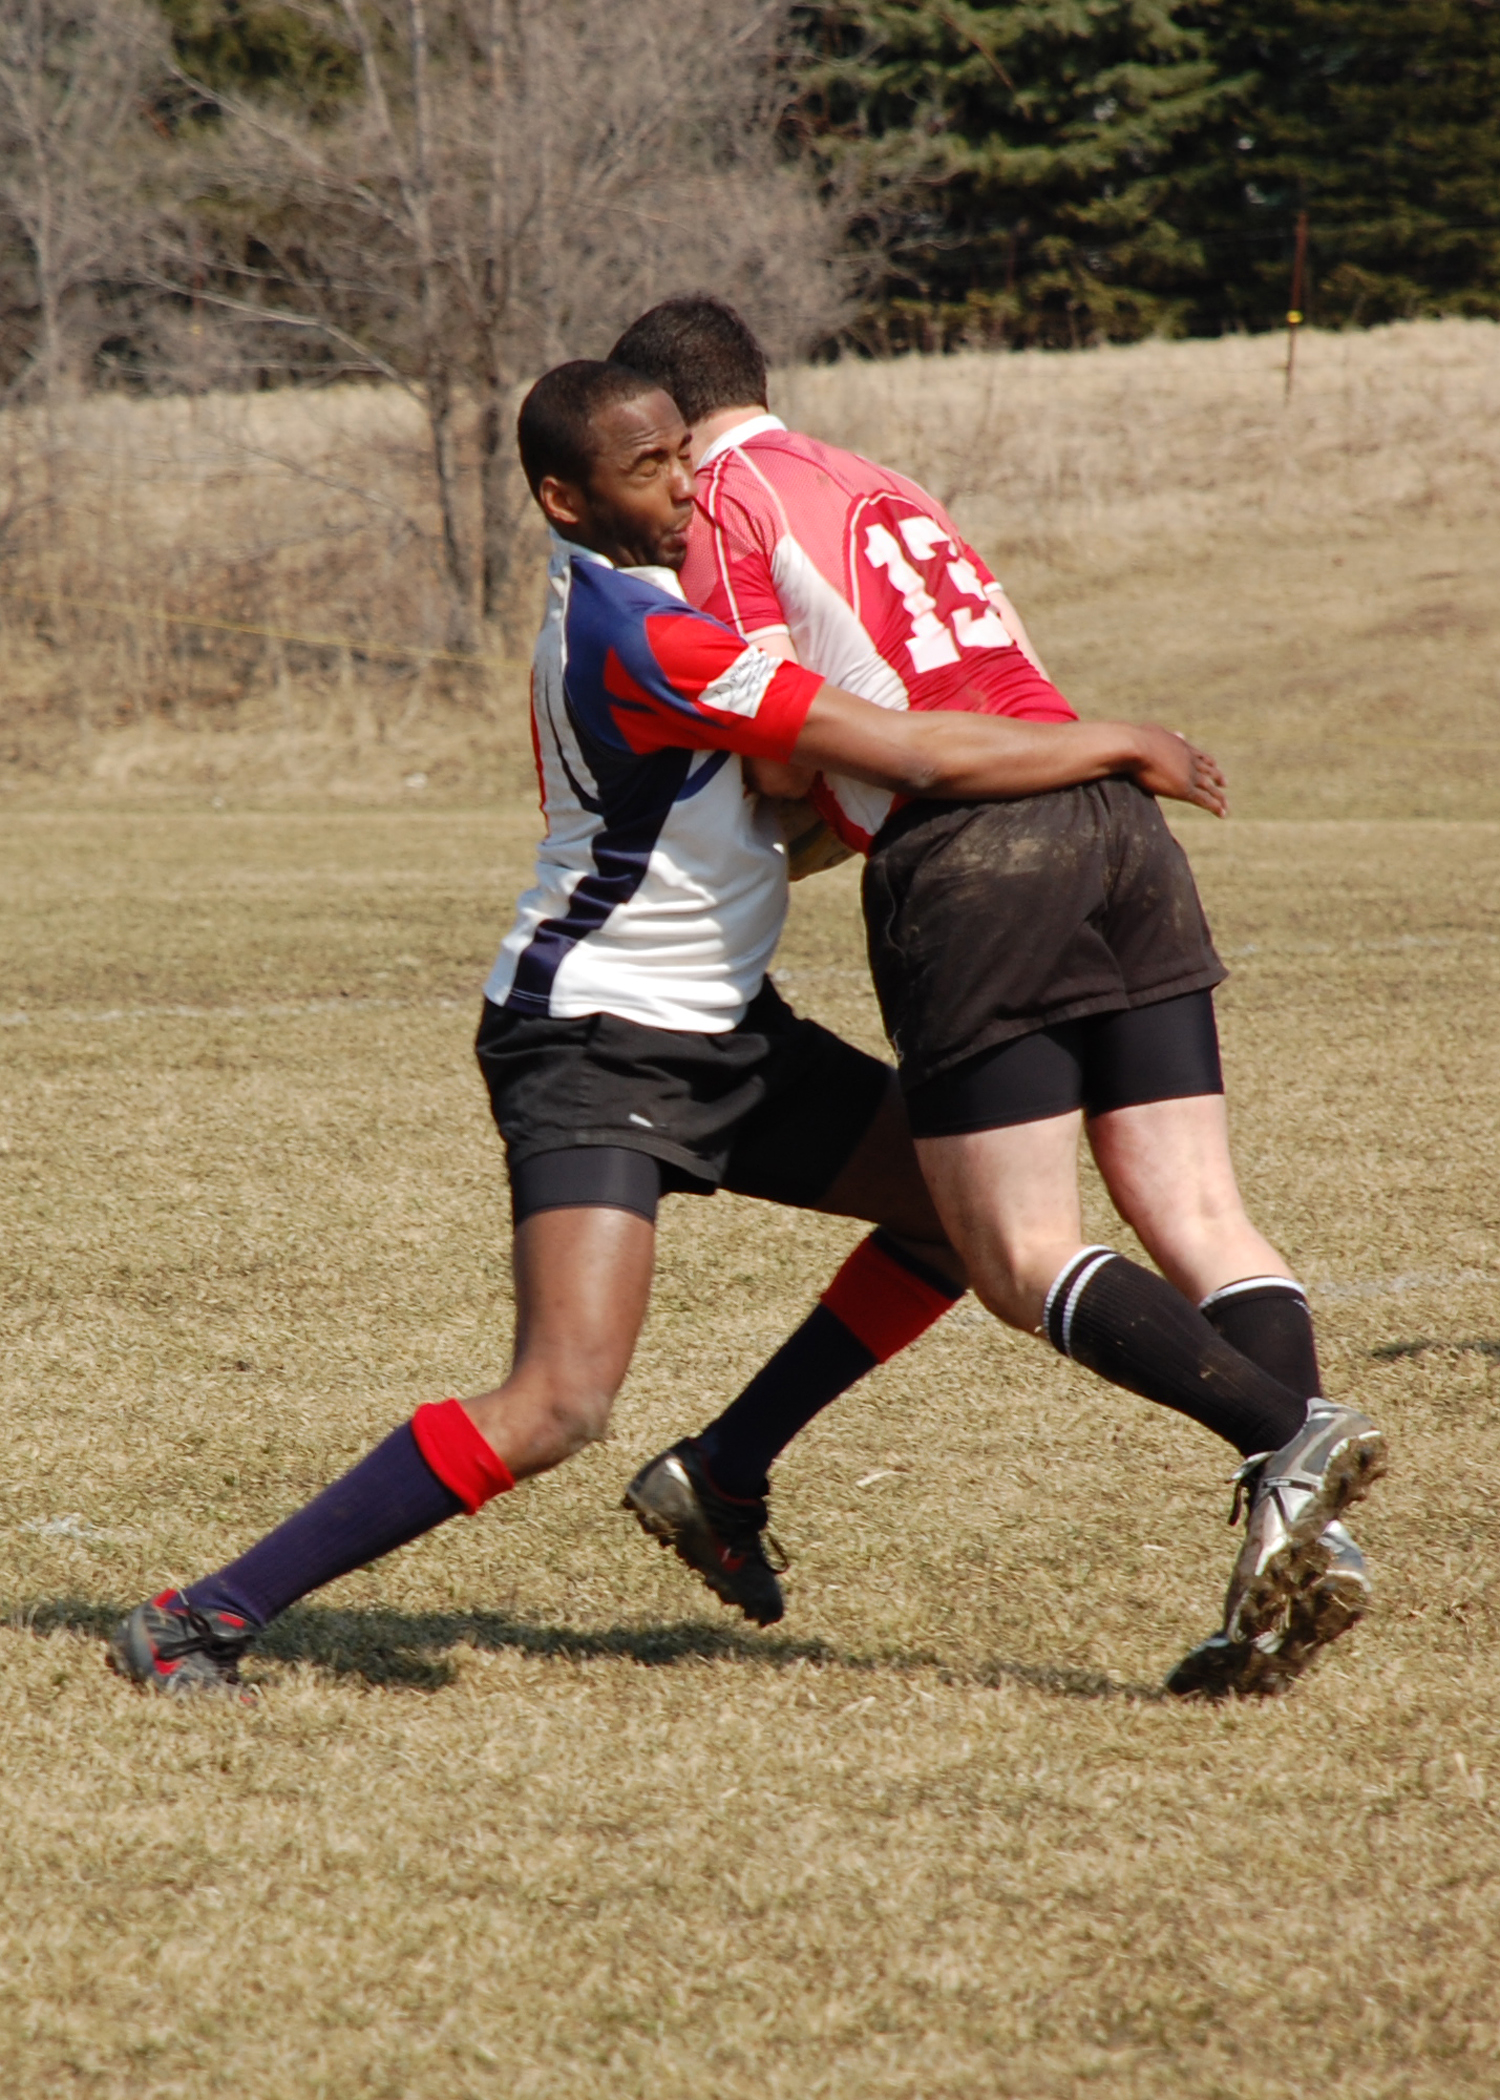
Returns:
point(812, 844)
point(783, 783)
point(964, 757)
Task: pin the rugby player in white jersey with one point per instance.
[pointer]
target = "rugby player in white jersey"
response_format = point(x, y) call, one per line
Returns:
point(631, 1042)
point(1042, 964)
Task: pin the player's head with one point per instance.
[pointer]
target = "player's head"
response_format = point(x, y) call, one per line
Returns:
point(605, 453)
point(701, 351)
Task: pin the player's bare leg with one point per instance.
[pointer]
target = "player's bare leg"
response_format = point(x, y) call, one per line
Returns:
point(707, 1496)
point(1008, 1198)
point(583, 1282)
point(1169, 1173)
point(882, 1182)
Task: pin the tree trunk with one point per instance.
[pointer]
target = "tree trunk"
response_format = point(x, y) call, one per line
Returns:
point(438, 396)
point(496, 462)
point(437, 369)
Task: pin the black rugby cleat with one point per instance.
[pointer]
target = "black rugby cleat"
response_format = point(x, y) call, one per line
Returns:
point(718, 1536)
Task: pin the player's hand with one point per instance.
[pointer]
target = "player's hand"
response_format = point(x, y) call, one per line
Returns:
point(1169, 765)
point(787, 782)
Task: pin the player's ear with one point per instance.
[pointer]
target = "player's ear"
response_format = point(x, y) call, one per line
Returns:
point(563, 502)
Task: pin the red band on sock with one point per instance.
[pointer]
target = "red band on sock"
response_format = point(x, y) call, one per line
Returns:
point(882, 1303)
point(458, 1454)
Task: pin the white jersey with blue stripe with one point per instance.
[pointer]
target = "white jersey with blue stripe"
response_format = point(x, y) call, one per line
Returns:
point(661, 882)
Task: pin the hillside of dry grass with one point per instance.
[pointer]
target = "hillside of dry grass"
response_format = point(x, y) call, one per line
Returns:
point(1308, 588)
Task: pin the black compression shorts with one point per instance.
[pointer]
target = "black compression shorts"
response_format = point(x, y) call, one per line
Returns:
point(773, 1108)
point(1162, 1052)
point(586, 1177)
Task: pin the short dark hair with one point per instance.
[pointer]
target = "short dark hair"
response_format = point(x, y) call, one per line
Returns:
point(554, 431)
point(700, 350)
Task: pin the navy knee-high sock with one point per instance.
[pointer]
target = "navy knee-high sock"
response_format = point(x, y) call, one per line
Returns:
point(424, 1473)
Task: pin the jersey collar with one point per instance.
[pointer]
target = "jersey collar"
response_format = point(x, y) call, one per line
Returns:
point(752, 427)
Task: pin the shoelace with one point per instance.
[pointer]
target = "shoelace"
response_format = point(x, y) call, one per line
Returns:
point(743, 1531)
point(220, 1648)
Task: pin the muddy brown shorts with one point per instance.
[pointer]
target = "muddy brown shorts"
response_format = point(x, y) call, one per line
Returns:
point(989, 920)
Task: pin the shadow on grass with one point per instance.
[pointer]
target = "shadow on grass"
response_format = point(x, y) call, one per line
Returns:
point(1394, 1352)
point(380, 1647)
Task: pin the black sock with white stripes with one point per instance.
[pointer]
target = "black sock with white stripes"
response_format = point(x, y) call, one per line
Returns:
point(1267, 1319)
point(1133, 1328)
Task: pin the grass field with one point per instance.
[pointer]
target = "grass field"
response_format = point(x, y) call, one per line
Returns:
point(522, 1811)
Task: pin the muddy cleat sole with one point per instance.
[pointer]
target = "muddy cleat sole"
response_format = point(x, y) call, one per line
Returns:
point(673, 1499)
point(1327, 1608)
point(168, 1648)
point(1330, 1604)
point(1294, 1495)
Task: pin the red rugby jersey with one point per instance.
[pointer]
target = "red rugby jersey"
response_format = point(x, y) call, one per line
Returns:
point(871, 579)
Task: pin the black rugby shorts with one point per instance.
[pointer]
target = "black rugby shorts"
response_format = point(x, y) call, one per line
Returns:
point(988, 921)
point(773, 1108)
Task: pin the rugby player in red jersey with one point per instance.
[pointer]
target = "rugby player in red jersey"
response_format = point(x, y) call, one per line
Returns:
point(631, 1042)
point(1042, 964)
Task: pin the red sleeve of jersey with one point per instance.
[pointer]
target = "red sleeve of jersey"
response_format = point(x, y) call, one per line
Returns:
point(705, 690)
point(730, 545)
point(1012, 686)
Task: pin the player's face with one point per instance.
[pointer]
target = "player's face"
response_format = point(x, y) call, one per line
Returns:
point(639, 498)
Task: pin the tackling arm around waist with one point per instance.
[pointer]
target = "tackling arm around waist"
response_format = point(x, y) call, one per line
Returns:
point(957, 757)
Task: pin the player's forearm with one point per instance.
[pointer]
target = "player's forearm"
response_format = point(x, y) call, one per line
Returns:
point(962, 758)
point(959, 757)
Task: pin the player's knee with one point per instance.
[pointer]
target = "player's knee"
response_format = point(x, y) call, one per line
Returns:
point(577, 1412)
point(1014, 1285)
point(1008, 1294)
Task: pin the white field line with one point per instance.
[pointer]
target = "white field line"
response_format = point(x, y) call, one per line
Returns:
point(1334, 1290)
point(75, 1526)
point(1380, 944)
point(1398, 1286)
point(1388, 944)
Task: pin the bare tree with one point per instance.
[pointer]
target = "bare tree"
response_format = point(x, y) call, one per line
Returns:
point(517, 178)
point(75, 144)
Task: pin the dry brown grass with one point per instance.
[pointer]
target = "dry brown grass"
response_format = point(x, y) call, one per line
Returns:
point(1309, 588)
point(294, 514)
point(520, 1811)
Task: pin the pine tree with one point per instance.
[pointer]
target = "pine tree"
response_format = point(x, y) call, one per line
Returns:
point(1025, 167)
point(240, 46)
point(1380, 118)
